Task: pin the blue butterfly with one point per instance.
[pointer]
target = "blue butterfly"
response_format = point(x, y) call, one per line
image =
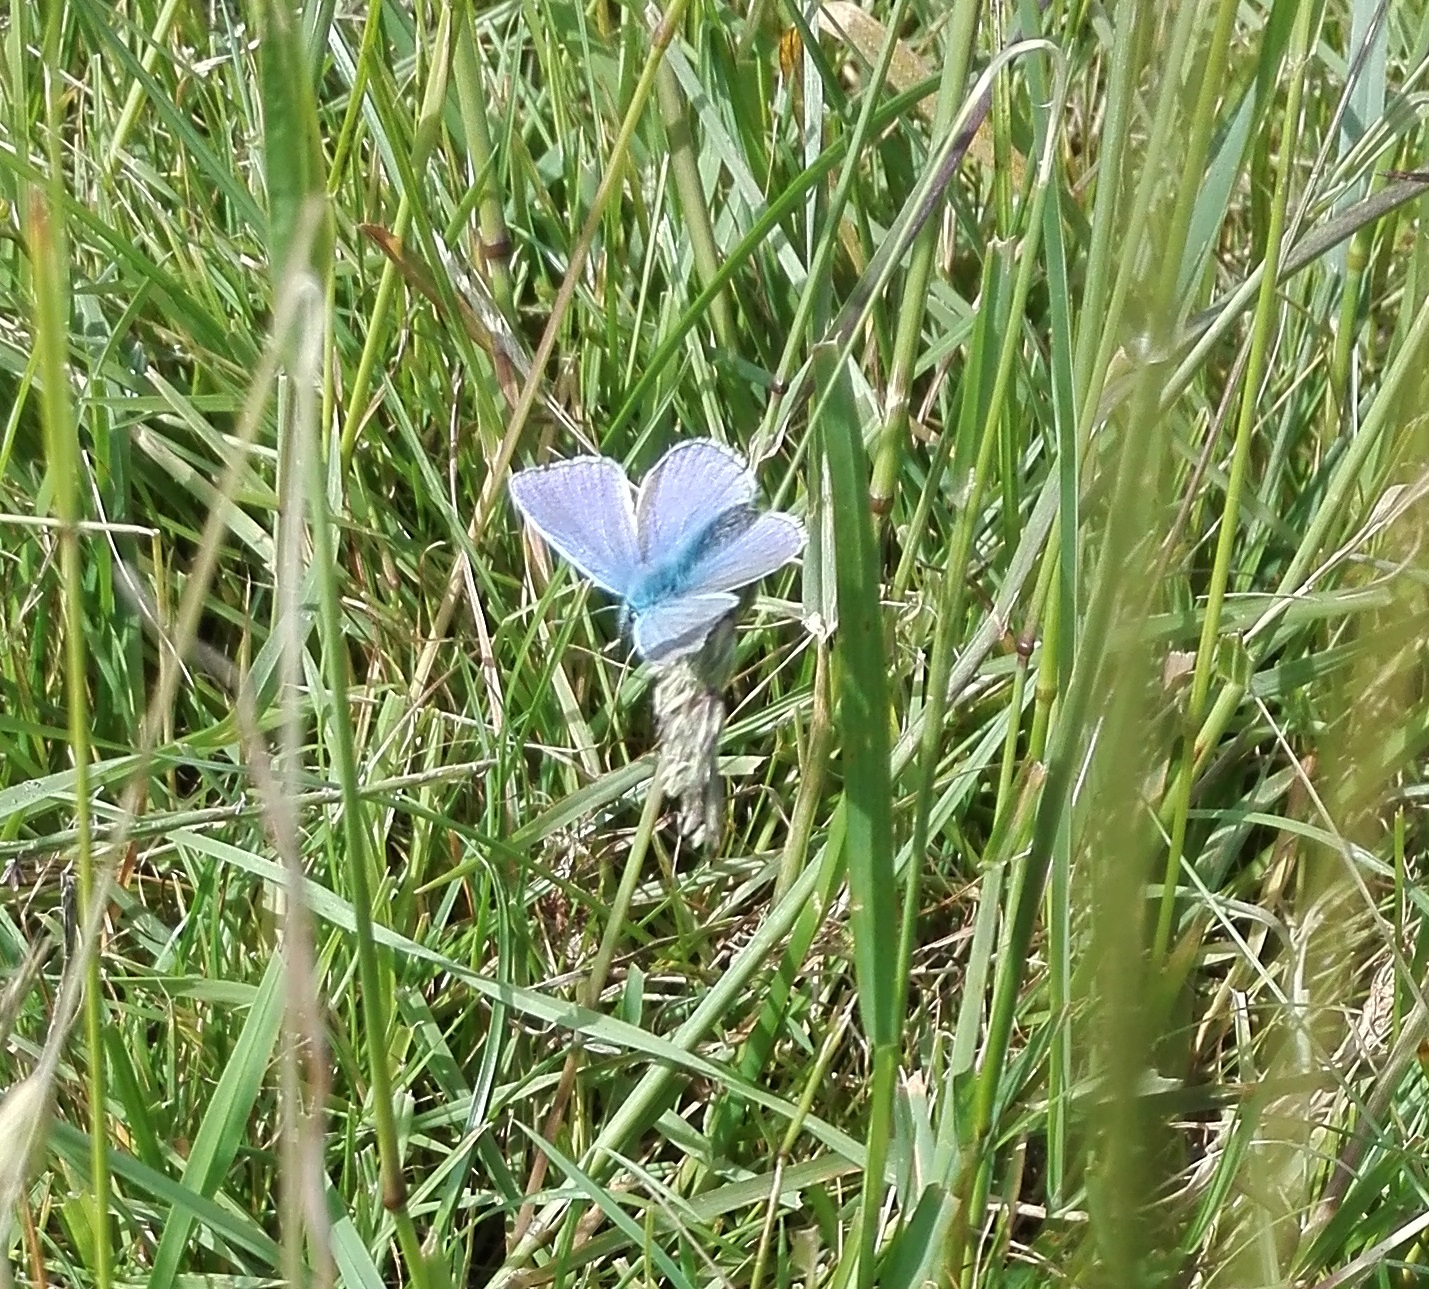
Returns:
point(673, 552)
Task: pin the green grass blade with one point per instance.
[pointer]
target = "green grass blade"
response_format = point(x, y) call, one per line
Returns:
point(225, 1122)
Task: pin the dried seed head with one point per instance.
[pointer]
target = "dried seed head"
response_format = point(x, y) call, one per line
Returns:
point(689, 715)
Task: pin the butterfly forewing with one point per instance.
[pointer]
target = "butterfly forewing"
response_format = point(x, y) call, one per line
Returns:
point(584, 509)
point(689, 487)
point(737, 554)
point(679, 625)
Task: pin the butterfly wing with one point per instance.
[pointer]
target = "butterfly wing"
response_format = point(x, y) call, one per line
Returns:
point(737, 554)
point(679, 626)
point(684, 492)
point(584, 509)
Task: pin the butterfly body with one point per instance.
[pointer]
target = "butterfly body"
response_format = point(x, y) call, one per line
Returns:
point(675, 551)
point(677, 572)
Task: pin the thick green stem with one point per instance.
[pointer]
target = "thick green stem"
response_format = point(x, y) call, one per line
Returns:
point(495, 239)
point(423, 138)
point(63, 461)
point(354, 815)
point(893, 434)
point(1261, 333)
point(954, 578)
point(696, 216)
point(819, 275)
point(806, 804)
point(880, 1132)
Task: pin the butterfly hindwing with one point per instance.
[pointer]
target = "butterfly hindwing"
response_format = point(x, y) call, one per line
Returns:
point(679, 625)
point(686, 490)
point(584, 509)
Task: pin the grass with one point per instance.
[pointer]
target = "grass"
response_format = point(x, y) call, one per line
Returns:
point(1066, 921)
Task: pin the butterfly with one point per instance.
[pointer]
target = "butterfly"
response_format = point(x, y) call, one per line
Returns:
point(675, 550)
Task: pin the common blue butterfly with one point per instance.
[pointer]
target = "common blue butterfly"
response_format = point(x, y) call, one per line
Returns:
point(675, 550)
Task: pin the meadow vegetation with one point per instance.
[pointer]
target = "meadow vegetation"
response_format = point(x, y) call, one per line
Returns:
point(1064, 921)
